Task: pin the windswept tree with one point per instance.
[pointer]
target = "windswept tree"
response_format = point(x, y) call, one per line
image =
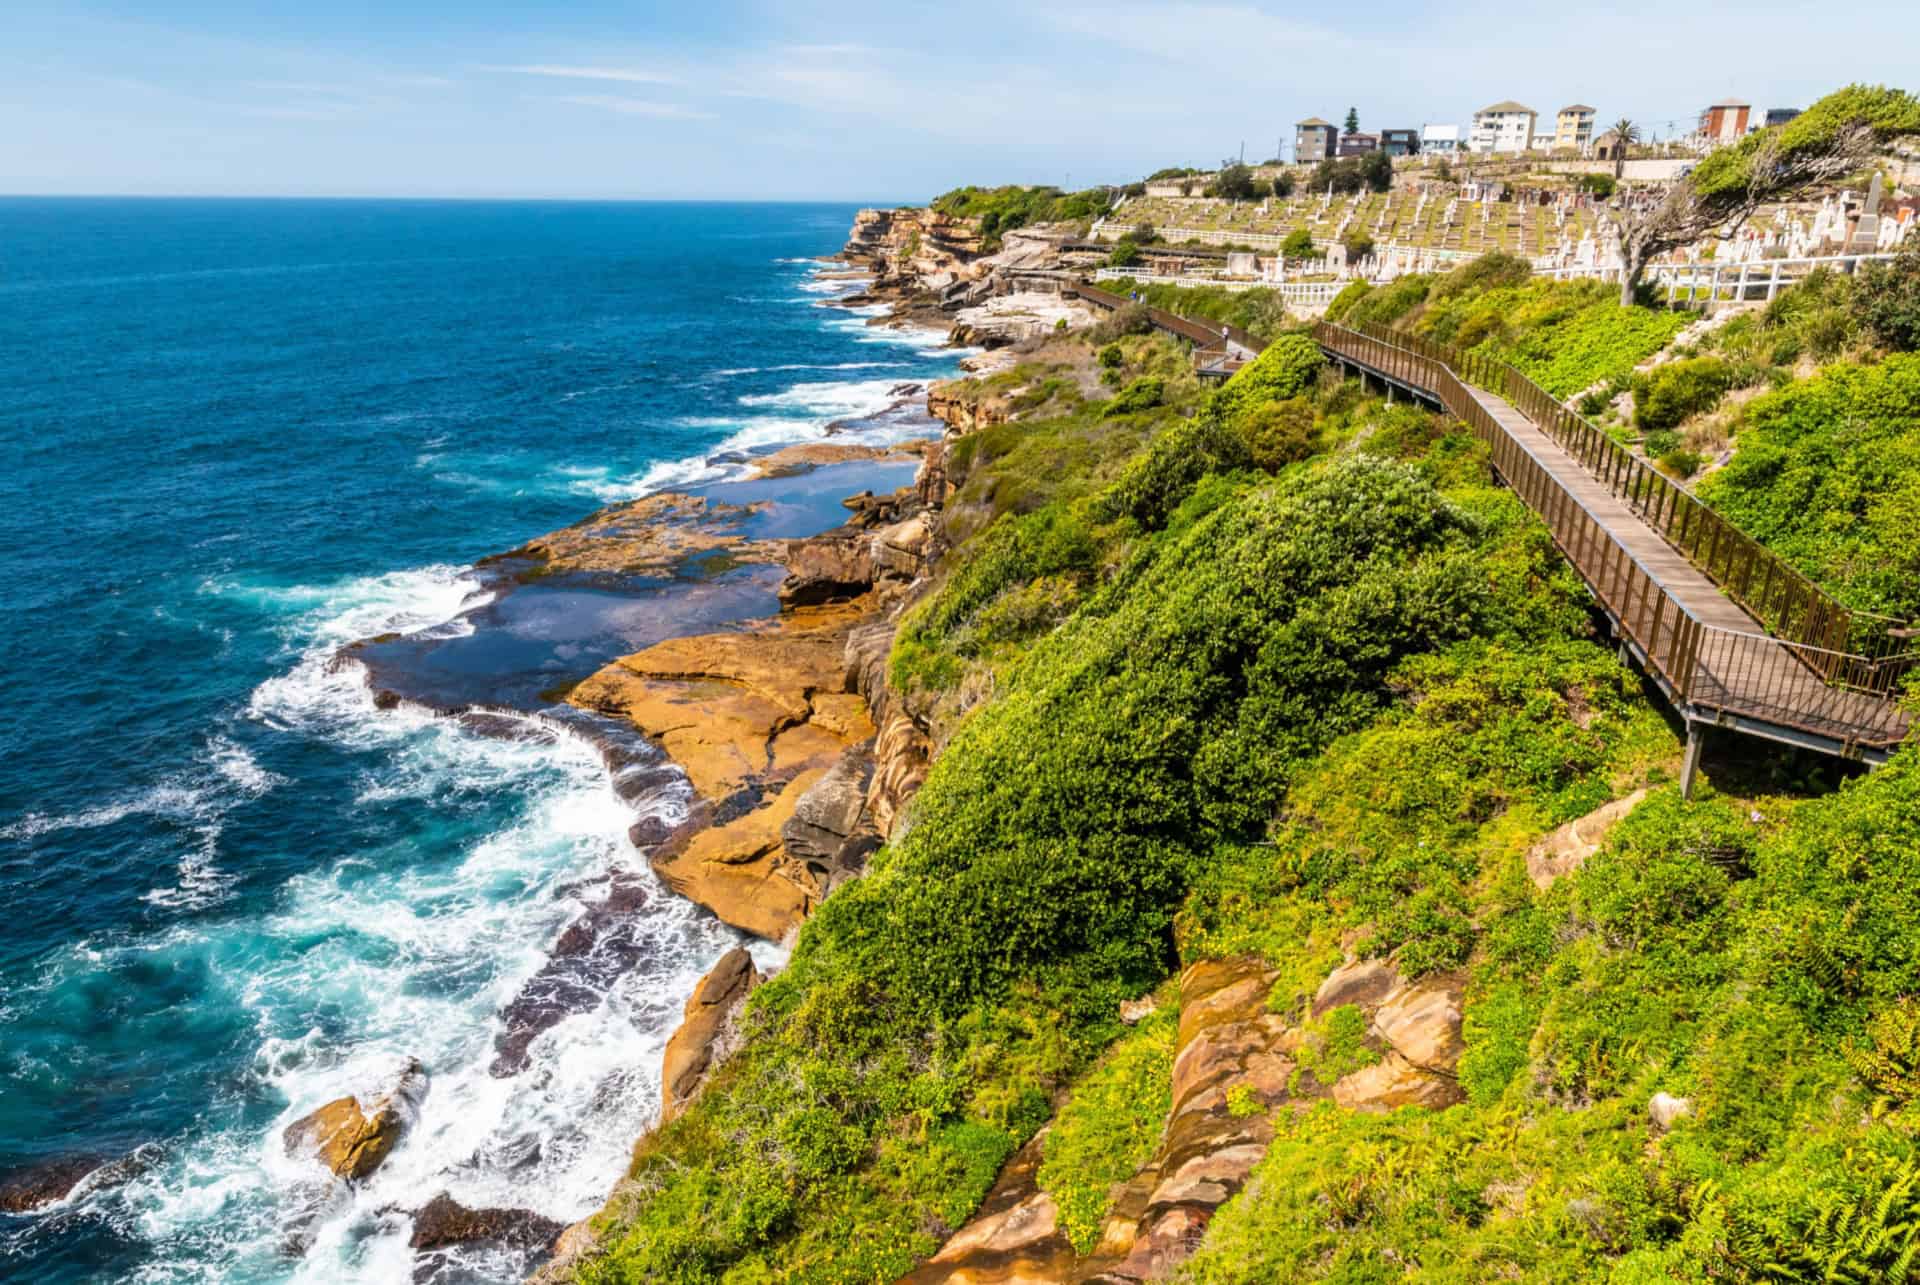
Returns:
point(1235, 183)
point(1625, 134)
point(1828, 142)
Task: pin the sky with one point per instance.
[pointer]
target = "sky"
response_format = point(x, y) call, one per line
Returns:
point(806, 100)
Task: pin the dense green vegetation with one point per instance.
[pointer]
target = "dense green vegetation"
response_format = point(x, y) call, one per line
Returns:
point(1002, 209)
point(1751, 959)
point(932, 1008)
point(1276, 670)
point(1828, 475)
point(1564, 335)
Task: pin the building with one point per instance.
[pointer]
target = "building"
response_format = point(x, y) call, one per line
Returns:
point(1780, 115)
point(1313, 140)
point(1725, 121)
point(1439, 140)
point(1358, 144)
point(1400, 142)
point(1573, 128)
point(1503, 127)
point(1610, 147)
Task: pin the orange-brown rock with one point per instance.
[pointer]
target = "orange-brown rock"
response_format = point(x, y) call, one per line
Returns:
point(353, 1142)
point(804, 456)
point(1014, 1239)
point(653, 535)
point(735, 708)
point(740, 870)
point(1567, 848)
point(1420, 1025)
point(965, 408)
point(701, 1041)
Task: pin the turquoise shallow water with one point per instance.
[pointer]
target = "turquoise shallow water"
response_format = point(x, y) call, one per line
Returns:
point(242, 434)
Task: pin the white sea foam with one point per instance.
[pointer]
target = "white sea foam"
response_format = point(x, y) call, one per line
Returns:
point(412, 953)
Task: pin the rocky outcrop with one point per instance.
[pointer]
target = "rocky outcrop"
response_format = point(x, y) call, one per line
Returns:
point(903, 752)
point(740, 871)
point(1567, 848)
point(352, 1141)
point(1014, 1239)
point(921, 248)
point(702, 1041)
point(1416, 1027)
point(656, 535)
point(759, 720)
point(1234, 1065)
point(444, 1222)
point(36, 1187)
point(964, 408)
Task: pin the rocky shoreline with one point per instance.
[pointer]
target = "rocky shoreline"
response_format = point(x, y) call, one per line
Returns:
point(746, 720)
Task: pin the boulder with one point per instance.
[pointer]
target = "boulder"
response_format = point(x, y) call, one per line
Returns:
point(443, 1221)
point(826, 568)
point(1392, 1082)
point(1014, 1238)
point(829, 813)
point(1567, 848)
point(698, 1045)
point(352, 1141)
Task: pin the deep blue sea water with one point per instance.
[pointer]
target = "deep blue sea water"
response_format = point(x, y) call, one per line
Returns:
point(239, 434)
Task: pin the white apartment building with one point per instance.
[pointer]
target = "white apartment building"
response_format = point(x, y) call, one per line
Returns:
point(1503, 127)
point(1439, 140)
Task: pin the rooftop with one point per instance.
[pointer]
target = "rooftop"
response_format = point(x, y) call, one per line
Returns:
point(1731, 102)
point(1508, 106)
point(1314, 120)
point(1577, 107)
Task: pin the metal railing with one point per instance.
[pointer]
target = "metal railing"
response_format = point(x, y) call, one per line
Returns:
point(1817, 667)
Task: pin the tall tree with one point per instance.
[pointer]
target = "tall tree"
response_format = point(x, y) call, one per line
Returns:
point(1828, 142)
point(1353, 120)
point(1625, 133)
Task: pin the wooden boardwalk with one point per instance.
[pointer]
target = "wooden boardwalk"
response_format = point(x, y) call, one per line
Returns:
point(1732, 635)
point(1686, 593)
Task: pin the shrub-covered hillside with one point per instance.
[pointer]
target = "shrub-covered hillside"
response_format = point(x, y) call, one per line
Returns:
point(1276, 673)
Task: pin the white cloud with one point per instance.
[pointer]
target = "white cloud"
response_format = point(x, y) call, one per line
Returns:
point(566, 72)
point(634, 106)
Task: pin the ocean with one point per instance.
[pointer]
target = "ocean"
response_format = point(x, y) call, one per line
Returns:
point(241, 434)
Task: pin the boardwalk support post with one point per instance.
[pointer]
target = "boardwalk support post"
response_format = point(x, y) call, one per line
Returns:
point(1696, 737)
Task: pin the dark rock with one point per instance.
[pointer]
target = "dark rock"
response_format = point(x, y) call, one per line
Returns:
point(443, 1221)
point(46, 1182)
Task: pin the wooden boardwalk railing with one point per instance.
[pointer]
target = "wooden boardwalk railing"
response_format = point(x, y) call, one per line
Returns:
point(1734, 635)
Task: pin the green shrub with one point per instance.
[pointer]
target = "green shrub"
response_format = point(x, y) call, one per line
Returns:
point(1886, 299)
point(1127, 319)
point(1144, 393)
point(1350, 294)
point(1488, 272)
point(1678, 389)
point(1279, 433)
point(1298, 244)
point(1682, 463)
point(1828, 476)
point(1286, 368)
point(1125, 253)
point(1112, 355)
point(1156, 481)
